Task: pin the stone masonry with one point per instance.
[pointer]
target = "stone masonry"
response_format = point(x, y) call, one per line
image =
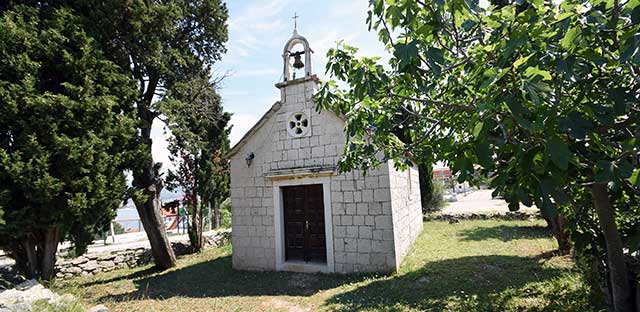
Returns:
point(375, 217)
point(367, 235)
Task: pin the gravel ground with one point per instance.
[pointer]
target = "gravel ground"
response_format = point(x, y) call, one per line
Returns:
point(479, 201)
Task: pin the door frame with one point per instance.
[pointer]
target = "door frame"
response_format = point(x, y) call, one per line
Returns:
point(278, 206)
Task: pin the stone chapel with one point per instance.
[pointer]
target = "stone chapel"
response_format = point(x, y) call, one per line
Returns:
point(291, 208)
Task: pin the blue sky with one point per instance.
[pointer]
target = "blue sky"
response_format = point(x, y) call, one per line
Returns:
point(258, 31)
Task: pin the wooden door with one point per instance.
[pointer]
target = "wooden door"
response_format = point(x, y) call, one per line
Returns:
point(304, 233)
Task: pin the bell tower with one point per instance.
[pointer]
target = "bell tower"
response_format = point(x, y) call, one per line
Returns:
point(297, 87)
point(293, 59)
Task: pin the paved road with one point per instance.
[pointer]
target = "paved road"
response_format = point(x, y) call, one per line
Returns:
point(479, 201)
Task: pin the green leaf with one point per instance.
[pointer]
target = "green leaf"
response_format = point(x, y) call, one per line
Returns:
point(568, 41)
point(560, 153)
point(635, 178)
point(564, 16)
point(406, 53)
point(522, 60)
point(477, 129)
point(604, 171)
point(435, 55)
point(518, 111)
point(549, 209)
point(483, 153)
point(532, 72)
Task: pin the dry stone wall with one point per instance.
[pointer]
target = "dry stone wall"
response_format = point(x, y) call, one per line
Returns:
point(91, 264)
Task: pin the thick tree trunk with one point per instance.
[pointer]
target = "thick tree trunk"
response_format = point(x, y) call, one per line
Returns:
point(50, 244)
point(31, 258)
point(618, 274)
point(149, 212)
point(562, 237)
point(35, 255)
point(147, 180)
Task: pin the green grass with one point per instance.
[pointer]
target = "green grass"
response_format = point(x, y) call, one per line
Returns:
point(480, 265)
point(61, 306)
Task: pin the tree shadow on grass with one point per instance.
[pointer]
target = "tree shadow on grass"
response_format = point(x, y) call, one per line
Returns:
point(475, 283)
point(134, 275)
point(506, 233)
point(216, 278)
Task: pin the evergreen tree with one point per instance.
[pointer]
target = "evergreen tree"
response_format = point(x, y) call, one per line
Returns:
point(159, 44)
point(200, 137)
point(64, 127)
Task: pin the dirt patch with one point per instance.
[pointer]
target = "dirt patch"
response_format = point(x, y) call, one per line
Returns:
point(282, 305)
point(305, 282)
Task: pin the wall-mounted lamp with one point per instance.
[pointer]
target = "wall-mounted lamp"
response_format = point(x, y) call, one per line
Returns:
point(250, 158)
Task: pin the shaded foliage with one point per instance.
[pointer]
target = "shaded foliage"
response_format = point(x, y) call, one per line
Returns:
point(200, 137)
point(64, 126)
point(543, 97)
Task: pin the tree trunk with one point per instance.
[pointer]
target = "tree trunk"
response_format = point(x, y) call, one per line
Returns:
point(35, 254)
point(196, 227)
point(198, 214)
point(617, 267)
point(201, 228)
point(562, 237)
point(148, 181)
point(149, 212)
point(31, 257)
point(216, 215)
point(48, 261)
point(16, 251)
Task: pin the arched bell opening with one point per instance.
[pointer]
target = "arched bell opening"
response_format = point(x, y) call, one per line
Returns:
point(297, 58)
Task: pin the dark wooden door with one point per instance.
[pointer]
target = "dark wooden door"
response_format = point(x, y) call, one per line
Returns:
point(304, 223)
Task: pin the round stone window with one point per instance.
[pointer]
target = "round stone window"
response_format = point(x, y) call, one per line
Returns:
point(298, 124)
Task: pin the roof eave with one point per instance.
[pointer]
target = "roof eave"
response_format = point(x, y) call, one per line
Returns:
point(236, 148)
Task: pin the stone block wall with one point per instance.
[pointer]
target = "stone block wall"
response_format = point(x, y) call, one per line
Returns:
point(363, 235)
point(362, 222)
point(407, 209)
point(274, 149)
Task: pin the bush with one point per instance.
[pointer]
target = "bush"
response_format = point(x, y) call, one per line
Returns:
point(437, 198)
point(117, 228)
point(225, 213)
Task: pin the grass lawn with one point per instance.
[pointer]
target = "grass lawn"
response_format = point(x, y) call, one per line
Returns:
point(480, 265)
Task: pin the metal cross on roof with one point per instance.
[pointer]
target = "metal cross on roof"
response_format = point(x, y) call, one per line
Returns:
point(295, 21)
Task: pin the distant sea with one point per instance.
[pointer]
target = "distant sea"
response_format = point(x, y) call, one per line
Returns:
point(128, 211)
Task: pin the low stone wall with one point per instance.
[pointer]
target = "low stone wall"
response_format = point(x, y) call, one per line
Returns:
point(90, 264)
point(517, 215)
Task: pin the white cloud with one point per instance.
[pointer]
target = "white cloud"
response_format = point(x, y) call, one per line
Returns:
point(249, 27)
point(258, 72)
point(276, 25)
point(255, 12)
point(353, 8)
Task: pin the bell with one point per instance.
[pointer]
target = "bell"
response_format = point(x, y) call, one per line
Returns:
point(297, 63)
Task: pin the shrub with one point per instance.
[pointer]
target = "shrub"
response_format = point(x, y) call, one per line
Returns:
point(437, 198)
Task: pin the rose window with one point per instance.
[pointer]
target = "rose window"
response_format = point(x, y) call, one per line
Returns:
point(298, 124)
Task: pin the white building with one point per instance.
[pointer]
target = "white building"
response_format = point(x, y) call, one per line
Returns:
point(293, 211)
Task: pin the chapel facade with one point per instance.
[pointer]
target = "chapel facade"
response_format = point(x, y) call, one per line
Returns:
point(291, 208)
